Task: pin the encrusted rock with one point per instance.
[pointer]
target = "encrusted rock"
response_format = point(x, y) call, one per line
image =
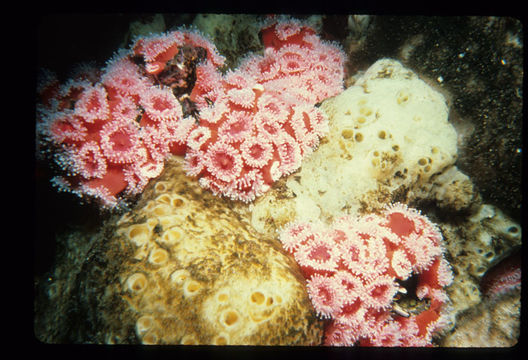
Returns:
point(475, 245)
point(183, 267)
point(490, 324)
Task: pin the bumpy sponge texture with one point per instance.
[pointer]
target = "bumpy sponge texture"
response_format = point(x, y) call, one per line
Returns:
point(389, 134)
point(482, 241)
point(198, 274)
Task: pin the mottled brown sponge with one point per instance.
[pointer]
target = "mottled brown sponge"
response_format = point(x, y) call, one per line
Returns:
point(199, 274)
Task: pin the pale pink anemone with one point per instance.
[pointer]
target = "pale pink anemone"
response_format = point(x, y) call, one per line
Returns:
point(366, 259)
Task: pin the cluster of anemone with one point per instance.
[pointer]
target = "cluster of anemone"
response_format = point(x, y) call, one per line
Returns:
point(355, 269)
point(258, 122)
point(113, 128)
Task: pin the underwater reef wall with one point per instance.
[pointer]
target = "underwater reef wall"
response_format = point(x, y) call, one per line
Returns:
point(183, 266)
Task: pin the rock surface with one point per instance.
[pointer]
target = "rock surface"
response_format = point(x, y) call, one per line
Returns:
point(183, 267)
point(477, 62)
point(489, 324)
